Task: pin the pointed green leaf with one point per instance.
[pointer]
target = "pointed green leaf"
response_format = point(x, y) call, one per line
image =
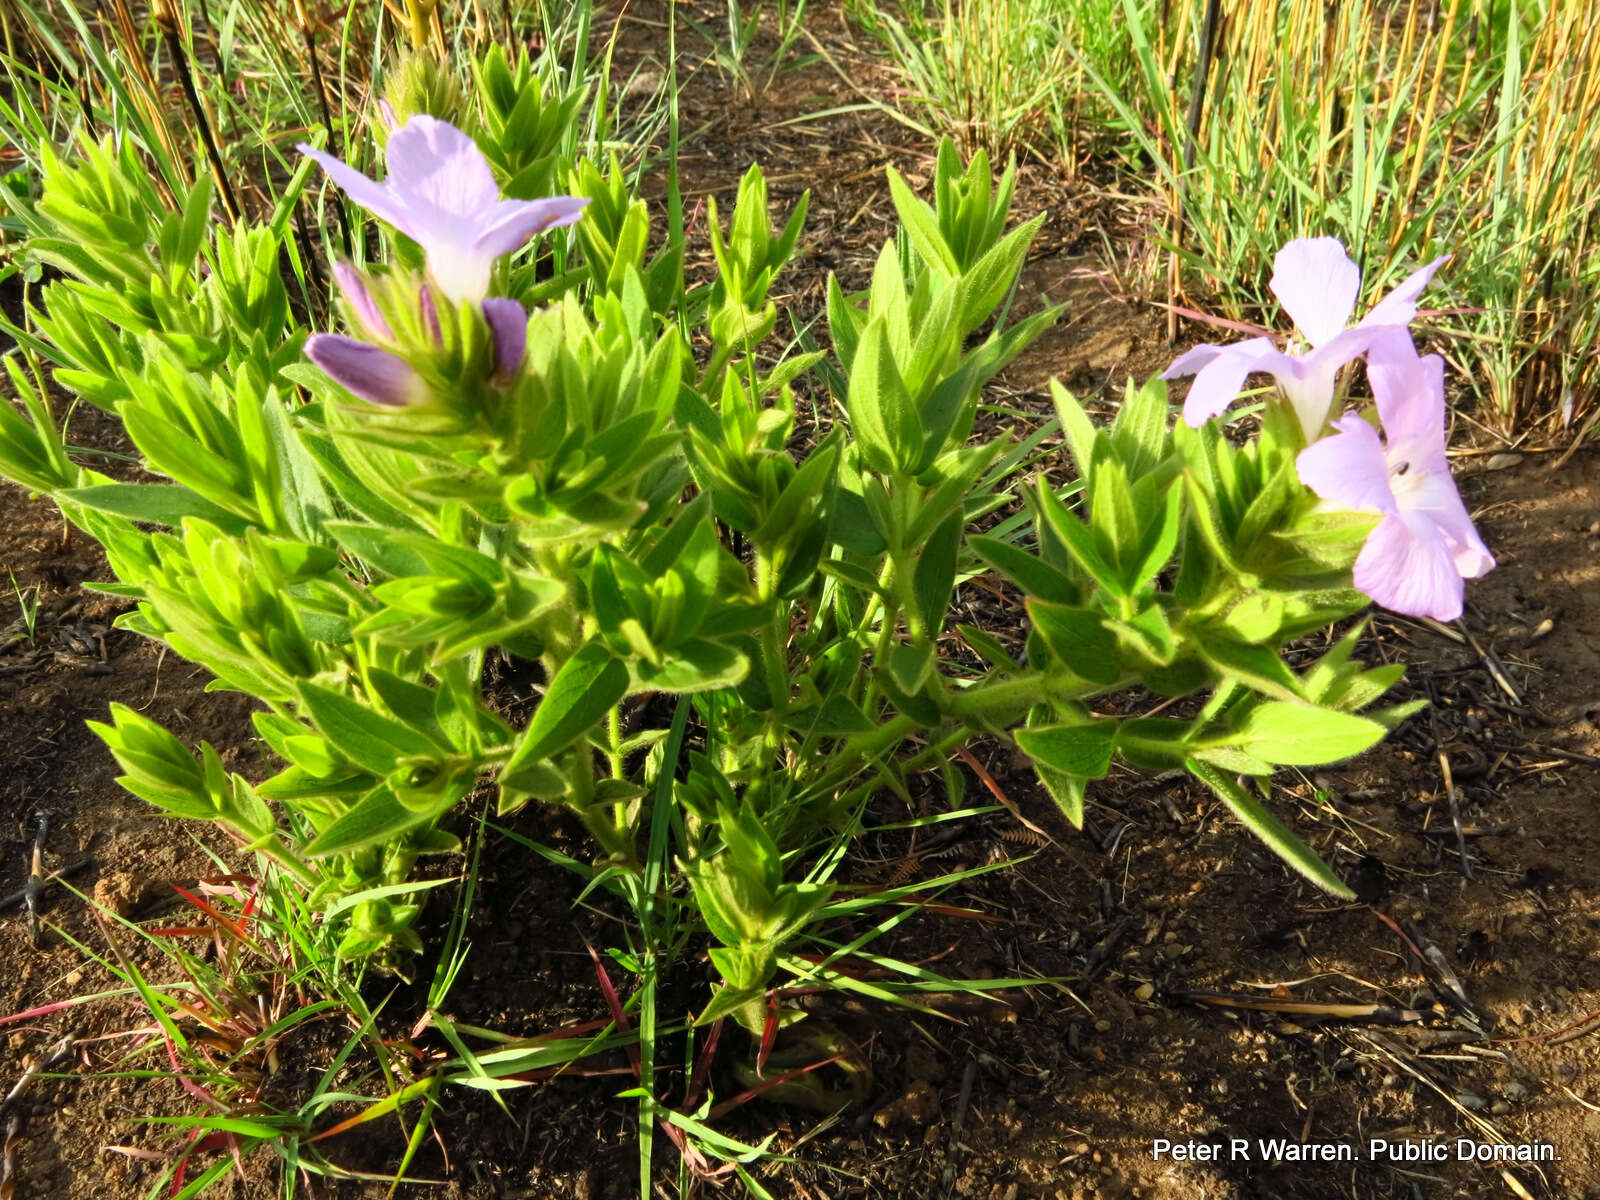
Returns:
point(1278, 837)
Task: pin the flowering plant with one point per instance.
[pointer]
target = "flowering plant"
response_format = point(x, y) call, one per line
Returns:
point(363, 523)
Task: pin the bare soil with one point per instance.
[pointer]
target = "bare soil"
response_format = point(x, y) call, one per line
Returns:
point(1131, 926)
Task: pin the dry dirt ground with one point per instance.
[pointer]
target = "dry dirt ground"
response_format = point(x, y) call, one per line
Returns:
point(1478, 952)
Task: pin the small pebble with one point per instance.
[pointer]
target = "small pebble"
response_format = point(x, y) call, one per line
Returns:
point(1144, 991)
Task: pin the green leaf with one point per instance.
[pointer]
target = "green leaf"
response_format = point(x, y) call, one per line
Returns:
point(1033, 575)
point(991, 277)
point(376, 819)
point(694, 666)
point(911, 666)
point(1303, 736)
point(921, 226)
point(1083, 750)
point(1278, 837)
point(935, 572)
point(367, 738)
point(583, 691)
point(1066, 790)
point(1078, 638)
point(881, 413)
point(155, 503)
point(1258, 667)
point(1140, 429)
point(1082, 436)
point(1079, 543)
point(1162, 539)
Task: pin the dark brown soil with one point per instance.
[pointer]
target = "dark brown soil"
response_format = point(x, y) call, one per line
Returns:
point(1057, 1091)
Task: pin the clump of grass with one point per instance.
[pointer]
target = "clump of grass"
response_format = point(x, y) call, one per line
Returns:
point(1004, 75)
point(1405, 131)
point(245, 971)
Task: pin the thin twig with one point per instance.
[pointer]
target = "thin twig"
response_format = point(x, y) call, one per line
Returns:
point(35, 885)
point(1455, 813)
point(21, 894)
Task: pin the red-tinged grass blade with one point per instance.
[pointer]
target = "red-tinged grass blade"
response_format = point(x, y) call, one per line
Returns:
point(769, 1033)
point(1194, 314)
point(183, 1165)
point(998, 793)
point(220, 918)
point(766, 1085)
point(182, 931)
point(387, 1105)
point(963, 914)
point(619, 1017)
point(702, 1066)
point(699, 1165)
point(221, 1139)
point(189, 1085)
point(45, 1010)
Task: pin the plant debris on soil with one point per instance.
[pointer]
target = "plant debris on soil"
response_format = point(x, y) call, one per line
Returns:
point(1189, 988)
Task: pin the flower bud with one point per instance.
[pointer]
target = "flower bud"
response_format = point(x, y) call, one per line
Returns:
point(508, 326)
point(365, 311)
point(375, 375)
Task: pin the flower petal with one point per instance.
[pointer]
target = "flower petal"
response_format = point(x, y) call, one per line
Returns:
point(354, 287)
point(1349, 468)
point(1315, 281)
point(1400, 305)
point(1406, 566)
point(1435, 498)
point(515, 221)
point(374, 197)
point(508, 325)
point(1311, 379)
point(375, 375)
point(443, 179)
point(1218, 383)
point(461, 273)
point(1192, 360)
point(1409, 391)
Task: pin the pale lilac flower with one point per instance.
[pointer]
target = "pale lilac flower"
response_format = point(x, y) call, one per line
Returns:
point(441, 194)
point(1317, 284)
point(1425, 545)
point(508, 326)
point(375, 375)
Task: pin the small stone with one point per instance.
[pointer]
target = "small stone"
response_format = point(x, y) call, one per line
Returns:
point(918, 1104)
point(1502, 462)
point(73, 978)
point(124, 892)
point(1144, 991)
point(1102, 1026)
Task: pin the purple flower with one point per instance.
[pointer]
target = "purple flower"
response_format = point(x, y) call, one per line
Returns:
point(1415, 560)
point(375, 375)
point(441, 193)
point(1317, 283)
